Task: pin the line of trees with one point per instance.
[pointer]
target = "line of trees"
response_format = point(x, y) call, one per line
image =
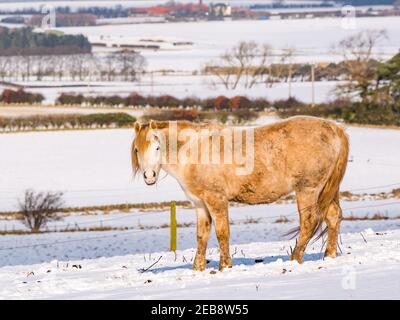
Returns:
point(249, 64)
point(167, 101)
point(101, 12)
point(125, 65)
point(24, 41)
point(66, 20)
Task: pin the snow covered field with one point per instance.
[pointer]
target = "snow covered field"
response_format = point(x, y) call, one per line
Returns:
point(313, 38)
point(366, 269)
point(93, 167)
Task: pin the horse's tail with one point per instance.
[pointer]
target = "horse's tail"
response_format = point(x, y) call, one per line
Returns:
point(332, 185)
point(330, 191)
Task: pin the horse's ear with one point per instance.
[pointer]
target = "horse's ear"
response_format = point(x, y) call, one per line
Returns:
point(153, 124)
point(158, 124)
point(137, 127)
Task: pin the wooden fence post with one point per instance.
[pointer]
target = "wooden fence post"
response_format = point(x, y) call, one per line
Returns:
point(173, 226)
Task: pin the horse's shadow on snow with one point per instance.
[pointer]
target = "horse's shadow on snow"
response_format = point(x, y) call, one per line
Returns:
point(240, 261)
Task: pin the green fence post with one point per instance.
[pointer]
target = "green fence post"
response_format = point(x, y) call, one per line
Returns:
point(173, 226)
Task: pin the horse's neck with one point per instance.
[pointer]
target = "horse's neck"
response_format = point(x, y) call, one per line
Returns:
point(174, 171)
point(171, 165)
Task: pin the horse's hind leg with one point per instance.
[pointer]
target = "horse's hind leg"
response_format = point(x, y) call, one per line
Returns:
point(203, 233)
point(217, 205)
point(333, 219)
point(307, 203)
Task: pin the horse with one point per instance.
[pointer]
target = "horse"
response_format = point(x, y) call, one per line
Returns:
point(303, 155)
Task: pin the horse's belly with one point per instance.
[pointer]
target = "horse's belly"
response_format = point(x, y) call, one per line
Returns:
point(251, 194)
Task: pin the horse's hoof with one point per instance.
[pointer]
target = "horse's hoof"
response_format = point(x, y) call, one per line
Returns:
point(225, 263)
point(296, 257)
point(330, 254)
point(199, 265)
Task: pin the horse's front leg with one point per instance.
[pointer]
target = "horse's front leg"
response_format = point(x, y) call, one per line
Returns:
point(218, 207)
point(203, 233)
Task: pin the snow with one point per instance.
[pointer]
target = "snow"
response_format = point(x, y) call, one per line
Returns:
point(313, 38)
point(366, 269)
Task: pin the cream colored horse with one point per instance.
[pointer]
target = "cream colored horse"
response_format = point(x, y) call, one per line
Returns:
point(304, 155)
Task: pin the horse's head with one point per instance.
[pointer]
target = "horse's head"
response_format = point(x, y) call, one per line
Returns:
point(147, 152)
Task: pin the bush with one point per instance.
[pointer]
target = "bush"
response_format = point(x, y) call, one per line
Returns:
point(239, 102)
point(207, 104)
point(191, 102)
point(290, 103)
point(20, 96)
point(172, 115)
point(136, 99)
point(372, 113)
point(40, 208)
point(237, 117)
point(221, 103)
point(69, 99)
point(119, 119)
point(167, 101)
point(260, 104)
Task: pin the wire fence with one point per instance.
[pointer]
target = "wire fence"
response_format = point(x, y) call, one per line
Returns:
point(134, 215)
point(130, 232)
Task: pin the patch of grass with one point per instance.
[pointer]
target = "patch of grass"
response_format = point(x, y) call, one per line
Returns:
point(396, 192)
point(376, 216)
point(250, 220)
point(282, 219)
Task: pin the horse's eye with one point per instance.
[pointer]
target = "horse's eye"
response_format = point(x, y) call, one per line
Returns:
point(136, 150)
point(158, 148)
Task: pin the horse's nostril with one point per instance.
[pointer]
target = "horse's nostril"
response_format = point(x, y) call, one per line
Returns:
point(154, 174)
point(144, 174)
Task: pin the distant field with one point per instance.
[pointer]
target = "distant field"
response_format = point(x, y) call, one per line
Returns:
point(313, 38)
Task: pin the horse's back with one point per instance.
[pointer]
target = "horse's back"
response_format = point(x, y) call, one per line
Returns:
point(300, 150)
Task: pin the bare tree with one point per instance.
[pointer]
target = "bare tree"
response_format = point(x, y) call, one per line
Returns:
point(4, 67)
point(244, 63)
point(131, 64)
point(248, 64)
point(39, 208)
point(360, 60)
point(126, 65)
point(78, 67)
point(110, 67)
point(282, 68)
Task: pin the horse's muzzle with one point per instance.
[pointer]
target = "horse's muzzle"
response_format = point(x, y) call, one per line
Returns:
point(150, 177)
